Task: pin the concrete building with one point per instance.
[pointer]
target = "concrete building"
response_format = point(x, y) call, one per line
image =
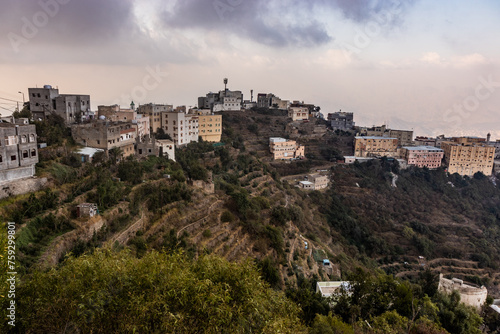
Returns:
point(73, 108)
point(224, 100)
point(469, 294)
point(404, 137)
point(467, 156)
point(283, 149)
point(106, 135)
point(181, 127)
point(350, 159)
point(87, 210)
point(314, 182)
point(115, 113)
point(298, 113)
point(146, 146)
point(422, 156)
point(373, 146)
point(18, 151)
point(209, 125)
point(327, 289)
point(87, 153)
point(424, 141)
point(341, 120)
point(154, 112)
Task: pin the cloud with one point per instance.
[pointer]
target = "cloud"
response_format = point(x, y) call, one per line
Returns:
point(459, 61)
point(275, 23)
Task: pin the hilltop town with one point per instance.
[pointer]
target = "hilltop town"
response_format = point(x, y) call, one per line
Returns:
point(307, 193)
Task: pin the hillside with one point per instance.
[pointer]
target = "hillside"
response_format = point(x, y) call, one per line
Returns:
point(255, 211)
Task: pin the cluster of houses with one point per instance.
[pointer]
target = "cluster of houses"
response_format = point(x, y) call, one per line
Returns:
point(157, 129)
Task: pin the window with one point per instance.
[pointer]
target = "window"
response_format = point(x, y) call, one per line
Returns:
point(32, 138)
point(140, 151)
point(24, 139)
point(13, 158)
point(1, 158)
point(25, 154)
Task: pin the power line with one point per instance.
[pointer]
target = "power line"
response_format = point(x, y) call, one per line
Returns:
point(7, 109)
point(2, 98)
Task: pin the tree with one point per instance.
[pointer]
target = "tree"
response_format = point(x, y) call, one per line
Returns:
point(109, 292)
point(115, 154)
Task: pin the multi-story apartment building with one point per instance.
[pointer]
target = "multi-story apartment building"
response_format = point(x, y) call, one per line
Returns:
point(181, 127)
point(116, 114)
point(225, 100)
point(423, 156)
point(154, 111)
point(298, 113)
point(371, 146)
point(209, 125)
point(341, 120)
point(404, 137)
point(468, 155)
point(283, 149)
point(106, 135)
point(18, 151)
point(424, 141)
point(73, 108)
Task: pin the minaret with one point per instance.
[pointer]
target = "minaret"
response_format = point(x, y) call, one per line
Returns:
point(488, 136)
point(251, 95)
point(225, 85)
point(132, 105)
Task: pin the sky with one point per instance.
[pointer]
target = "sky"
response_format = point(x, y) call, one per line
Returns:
point(431, 66)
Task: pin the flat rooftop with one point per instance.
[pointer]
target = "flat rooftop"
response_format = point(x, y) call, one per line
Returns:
point(422, 148)
point(373, 137)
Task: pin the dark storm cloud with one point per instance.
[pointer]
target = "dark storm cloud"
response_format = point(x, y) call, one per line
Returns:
point(248, 19)
point(274, 22)
point(68, 22)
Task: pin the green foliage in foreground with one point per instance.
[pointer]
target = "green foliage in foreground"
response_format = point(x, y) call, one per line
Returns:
point(109, 292)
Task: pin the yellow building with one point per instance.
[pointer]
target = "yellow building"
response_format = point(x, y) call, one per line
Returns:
point(285, 149)
point(371, 146)
point(467, 156)
point(210, 127)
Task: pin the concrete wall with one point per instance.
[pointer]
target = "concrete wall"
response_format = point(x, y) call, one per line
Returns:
point(469, 295)
point(19, 187)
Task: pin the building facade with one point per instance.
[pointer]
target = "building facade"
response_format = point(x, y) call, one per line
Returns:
point(298, 113)
point(283, 149)
point(372, 146)
point(18, 151)
point(341, 120)
point(46, 101)
point(106, 135)
point(181, 127)
point(468, 157)
point(423, 156)
point(154, 112)
point(147, 146)
point(210, 127)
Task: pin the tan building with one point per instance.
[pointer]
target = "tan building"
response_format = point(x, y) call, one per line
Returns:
point(314, 182)
point(106, 135)
point(158, 147)
point(404, 137)
point(154, 111)
point(298, 113)
point(371, 146)
point(468, 157)
point(422, 156)
point(283, 149)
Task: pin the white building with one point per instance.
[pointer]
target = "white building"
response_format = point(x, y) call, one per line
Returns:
point(181, 127)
